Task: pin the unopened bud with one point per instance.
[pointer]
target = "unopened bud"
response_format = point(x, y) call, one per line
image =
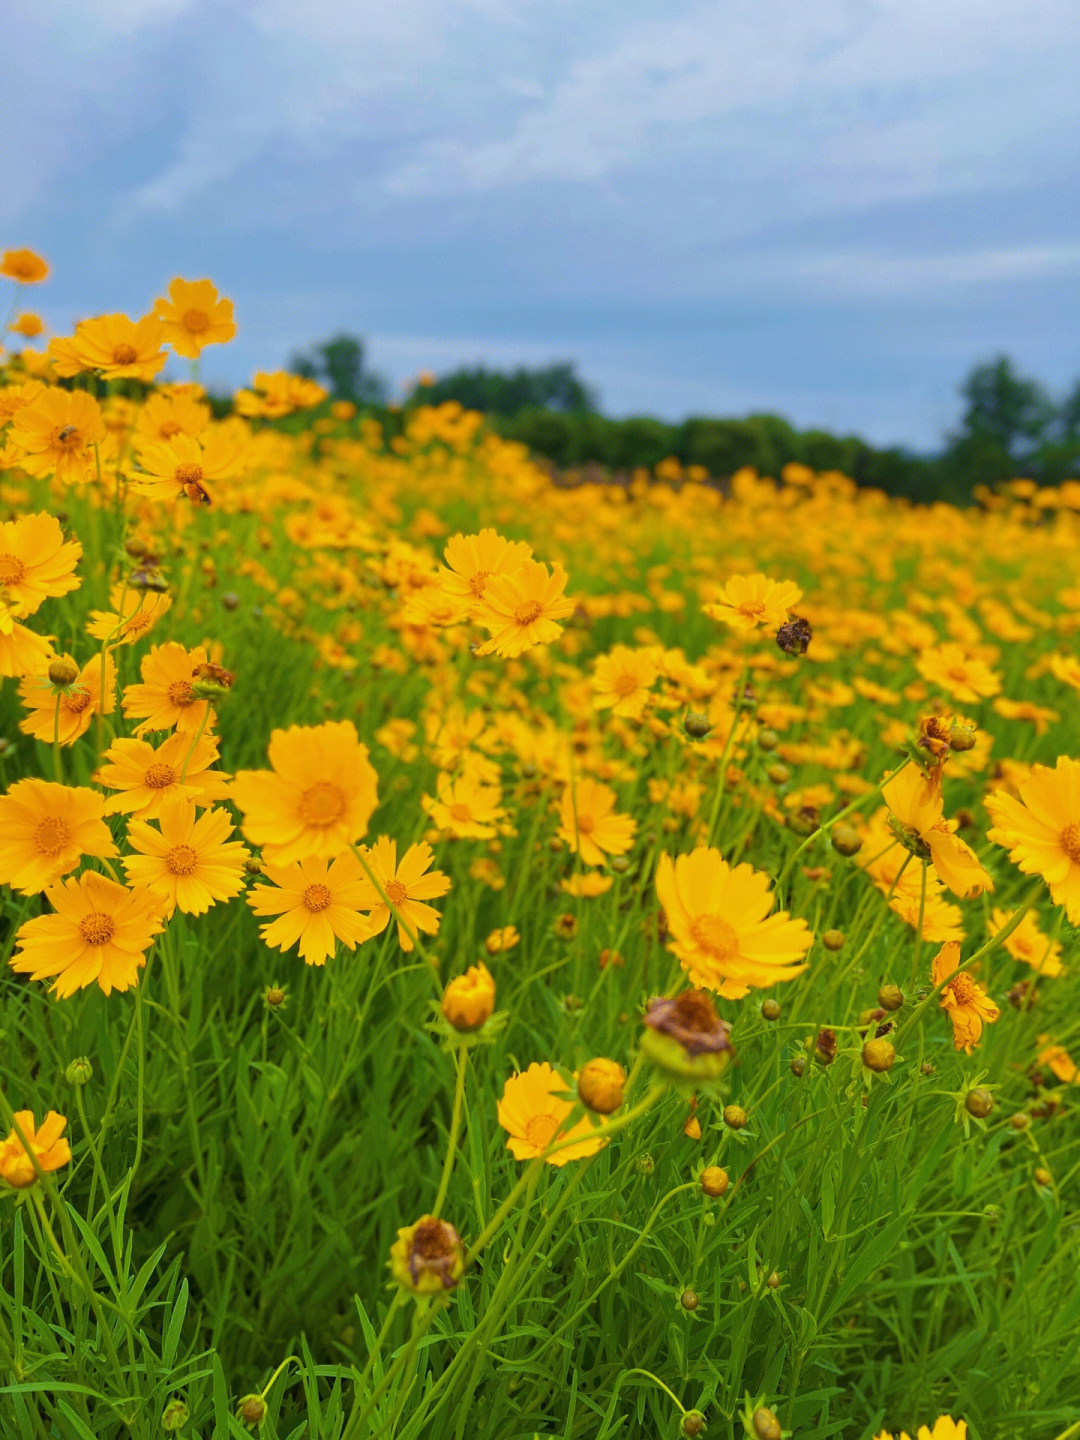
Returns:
point(890, 997)
point(778, 773)
point(878, 1056)
point(833, 939)
point(773, 1282)
point(469, 1000)
point(766, 1425)
point(735, 1117)
point(175, 1416)
point(251, 1410)
point(1020, 1121)
point(714, 1181)
point(63, 671)
point(693, 1422)
point(79, 1072)
point(1043, 1177)
point(600, 1085)
point(798, 1066)
point(962, 737)
point(696, 725)
point(979, 1102)
point(620, 864)
point(274, 997)
point(768, 740)
point(770, 1009)
point(645, 1164)
point(846, 840)
point(688, 1300)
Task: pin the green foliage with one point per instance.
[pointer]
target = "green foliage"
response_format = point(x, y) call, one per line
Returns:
point(554, 387)
point(340, 365)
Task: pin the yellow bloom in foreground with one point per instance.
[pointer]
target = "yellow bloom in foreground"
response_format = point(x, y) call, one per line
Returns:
point(405, 885)
point(316, 903)
point(520, 610)
point(1028, 943)
point(195, 316)
point(465, 808)
point(959, 674)
point(1041, 830)
point(720, 927)
point(184, 466)
point(747, 601)
point(147, 778)
point(100, 932)
point(165, 699)
point(316, 800)
point(25, 266)
point(134, 613)
point(36, 562)
point(68, 713)
point(116, 346)
point(189, 859)
point(46, 829)
point(966, 1002)
point(533, 1113)
point(917, 809)
point(623, 680)
point(589, 825)
point(56, 434)
point(472, 560)
point(17, 1169)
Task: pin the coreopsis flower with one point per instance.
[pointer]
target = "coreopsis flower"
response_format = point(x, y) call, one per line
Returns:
point(1041, 717)
point(100, 932)
point(48, 1150)
point(22, 651)
point(720, 928)
point(468, 1001)
point(1041, 830)
point(134, 613)
point(24, 266)
point(186, 465)
point(533, 1113)
point(315, 801)
point(944, 1429)
point(171, 411)
point(115, 346)
point(1058, 1059)
point(471, 561)
point(317, 904)
point(405, 885)
point(964, 1000)
point(587, 886)
point(56, 434)
point(623, 680)
point(465, 807)
point(36, 562)
point(1028, 943)
point(278, 393)
point(589, 824)
point(520, 610)
point(502, 939)
point(28, 324)
point(427, 1258)
point(66, 713)
point(1066, 668)
point(195, 316)
point(918, 822)
point(960, 674)
point(188, 857)
point(46, 829)
point(147, 777)
point(747, 601)
point(166, 700)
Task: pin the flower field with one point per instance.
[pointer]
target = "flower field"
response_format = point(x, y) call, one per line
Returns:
point(488, 955)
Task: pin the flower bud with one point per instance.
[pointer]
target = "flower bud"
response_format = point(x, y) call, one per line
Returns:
point(833, 939)
point(805, 820)
point(79, 1072)
point(1020, 1121)
point(778, 773)
point(766, 1425)
point(696, 725)
point(770, 1009)
point(773, 1282)
point(274, 997)
point(1043, 1177)
point(645, 1165)
point(890, 997)
point(768, 740)
point(230, 600)
point(600, 1085)
point(251, 1410)
point(427, 1257)
point(63, 671)
point(620, 864)
point(798, 1066)
point(962, 737)
point(846, 840)
point(979, 1102)
point(689, 1300)
point(735, 1117)
point(469, 1000)
point(693, 1422)
point(878, 1056)
point(714, 1181)
point(175, 1415)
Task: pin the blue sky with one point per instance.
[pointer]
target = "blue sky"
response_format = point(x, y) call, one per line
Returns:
point(829, 211)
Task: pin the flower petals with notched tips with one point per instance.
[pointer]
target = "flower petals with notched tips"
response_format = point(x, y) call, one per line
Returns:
point(316, 903)
point(520, 610)
point(533, 1113)
point(46, 829)
point(405, 885)
point(36, 562)
point(48, 1149)
point(188, 857)
point(1041, 830)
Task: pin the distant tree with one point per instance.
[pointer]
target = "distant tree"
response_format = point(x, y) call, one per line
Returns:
point(1005, 408)
point(1069, 415)
point(339, 364)
point(496, 392)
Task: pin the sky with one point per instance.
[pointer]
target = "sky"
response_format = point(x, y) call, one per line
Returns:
point(827, 211)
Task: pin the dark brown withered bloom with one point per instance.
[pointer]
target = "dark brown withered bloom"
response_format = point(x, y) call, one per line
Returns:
point(825, 1047)
point(427, 1257)
point(794, 635)
point(686, 1039)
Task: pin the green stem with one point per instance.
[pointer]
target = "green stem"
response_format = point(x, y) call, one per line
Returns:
point(455, 1125)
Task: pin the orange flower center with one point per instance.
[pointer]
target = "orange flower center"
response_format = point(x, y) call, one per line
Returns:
point(957, 672)
point(51, 836)
point(714, 934)
point(478, 581)
point(196, 321)
point(323, 804)
point(160, 776)
point(180, 693)
point(124, 354)
point(97, 928)
point(188, 474)
point(625, 685)
point(141, 620)
point(12, 569)
point(752, 608)
point(541, 1130)
point(317, 897)
point(396, 892)
point(461, 812)
point(181, 860)
point(586, 824)
point(527, 613)
point(964, 990)
point(65, 437)
point(1070, 841)
point(76, 702)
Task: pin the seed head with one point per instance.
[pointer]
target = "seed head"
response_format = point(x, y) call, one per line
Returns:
point(794, 635)
point(427, 1257)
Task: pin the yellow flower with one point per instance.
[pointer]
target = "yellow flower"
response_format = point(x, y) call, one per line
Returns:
point(587, 886)
point(747, 601)
point(316, 800)
point(469, 1000)
point(36, 562)
point(195, 316)
point(472, 560)
point(589, 825)
point(189, 859)
point(405, 885)
point(1059, 1060)
point(720, 927)
point(56, 433)
point(960, 674)
point(99, 932)
point(317, 904)
point(165, 699)
point(533, 1114)
point(520, 610)
point(115, 346)
point(134, 613)
point(17, 1169)
point(185, 465)
point(1067, 669)
point(1028, 943)
point(465, 808)
point(1041, 830)
point(966, 1002)
point(22, 652)
point(623, 680)
point(46, 829)
point(503, 939)
point(67, 713)
point(24, 266)
point(146, 778)
point(917, 808)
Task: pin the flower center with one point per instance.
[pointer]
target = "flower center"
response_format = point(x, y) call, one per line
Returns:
point(461, 812)
point(957, 673)
point(714, 934)
point(124, 354)
point(51, 836)
point(97, 928)
point(12, 569)
point(625, 685)
point(317, 897)
point(76, 702)
point(180, 693)
point(196, 320)
point(541, 1130)
point(182, 860)
point(66, 437)
point(752, 608)
point(160, 776)
point(141, 620)
point(1070, 841)
point(586, 824)
point(527, 613)
point(396, 892)
point(478, 581)
point(963, 989)
point(323, 804)
point(190, 474)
